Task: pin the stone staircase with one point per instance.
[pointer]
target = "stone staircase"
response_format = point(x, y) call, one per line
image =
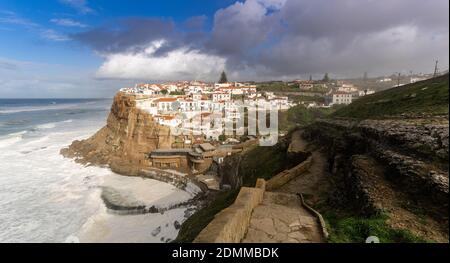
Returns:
point(282, 218)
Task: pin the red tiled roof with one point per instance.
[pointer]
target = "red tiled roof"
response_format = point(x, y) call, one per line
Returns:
point(166, 99)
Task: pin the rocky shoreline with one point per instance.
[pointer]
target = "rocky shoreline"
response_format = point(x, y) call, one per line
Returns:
point(123, 145)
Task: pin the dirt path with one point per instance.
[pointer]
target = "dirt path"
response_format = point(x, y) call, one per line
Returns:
point(281, 218)
point(313, 184)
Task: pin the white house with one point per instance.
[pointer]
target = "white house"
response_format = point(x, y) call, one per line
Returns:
point(222, 85)
point(281, 103)
point(167, 120)
point(165, 104)
point(365, 92)
point(341, 98)
point(221, 96)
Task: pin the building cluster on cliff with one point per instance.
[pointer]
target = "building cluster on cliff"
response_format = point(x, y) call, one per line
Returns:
point(194, 105)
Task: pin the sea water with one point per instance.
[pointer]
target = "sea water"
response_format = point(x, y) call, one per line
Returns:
point(45, 197)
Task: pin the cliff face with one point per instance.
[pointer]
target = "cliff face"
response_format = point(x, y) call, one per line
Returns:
point(412, 154)
point(124, 143)
point(399, 167)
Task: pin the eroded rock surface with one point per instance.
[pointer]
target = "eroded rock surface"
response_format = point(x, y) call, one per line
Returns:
point(124, 143)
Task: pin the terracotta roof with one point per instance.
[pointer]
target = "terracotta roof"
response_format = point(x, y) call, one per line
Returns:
point(166, 99)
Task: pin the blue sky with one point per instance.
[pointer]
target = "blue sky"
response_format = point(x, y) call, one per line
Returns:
point(21, 42)
point(88, 48)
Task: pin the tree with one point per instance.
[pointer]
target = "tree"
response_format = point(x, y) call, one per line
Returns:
point(223, 77)
point(164, 91)
point(310, 77)
point(326, 78)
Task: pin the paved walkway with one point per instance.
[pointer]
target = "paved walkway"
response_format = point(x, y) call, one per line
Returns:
point(281, 218)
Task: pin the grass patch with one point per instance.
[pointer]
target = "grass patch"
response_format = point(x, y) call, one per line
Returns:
point(424, 97)
point(262, 162)
point(300, 116)
point(356, 229)
point(198, 221)
point(277, 87)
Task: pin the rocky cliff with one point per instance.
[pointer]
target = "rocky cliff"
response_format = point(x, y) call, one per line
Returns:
point(124, 143)
point(392, 166)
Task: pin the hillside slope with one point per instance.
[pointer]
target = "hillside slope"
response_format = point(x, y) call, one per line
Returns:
point(388, 156)
point(424, 98)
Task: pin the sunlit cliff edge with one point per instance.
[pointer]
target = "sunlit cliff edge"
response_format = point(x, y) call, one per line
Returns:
point(125, 142)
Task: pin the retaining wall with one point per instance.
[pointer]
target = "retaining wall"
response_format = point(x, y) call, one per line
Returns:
point(287, 175)
point(231, 224)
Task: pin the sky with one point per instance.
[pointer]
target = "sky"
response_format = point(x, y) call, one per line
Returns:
point(92, 48)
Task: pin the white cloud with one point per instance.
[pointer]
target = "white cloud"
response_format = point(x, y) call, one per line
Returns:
point(80, 5)
point(67, 22)
point(178, 64)
point(53, 35)
point(12, 18)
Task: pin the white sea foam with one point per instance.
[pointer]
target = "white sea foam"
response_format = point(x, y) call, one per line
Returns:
point(10, 110)
point(52, 125)
point(47, 198)
point(11, 139)
point(30, 109)
point(46, 126)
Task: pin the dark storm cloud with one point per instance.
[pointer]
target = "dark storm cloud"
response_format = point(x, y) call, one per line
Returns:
point(277, 38)
point(128, 34)
point(195, 22)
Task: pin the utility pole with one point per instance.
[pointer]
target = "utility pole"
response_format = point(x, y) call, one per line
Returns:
point(398, 80)
point(436, 70)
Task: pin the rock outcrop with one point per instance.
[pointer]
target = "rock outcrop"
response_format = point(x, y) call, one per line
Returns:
point(125, 142)
point(397, 166)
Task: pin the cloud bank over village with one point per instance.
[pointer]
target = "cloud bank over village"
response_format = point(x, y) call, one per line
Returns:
point(89, 48)
point(277, 39)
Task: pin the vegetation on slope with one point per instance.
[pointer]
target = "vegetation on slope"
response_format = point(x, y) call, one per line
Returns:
point(300, 116)
point(195, 224)
point(262, 162)
point(356, 229)
point(276, 86)
point(428, 97)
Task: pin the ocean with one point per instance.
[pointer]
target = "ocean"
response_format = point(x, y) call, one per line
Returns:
point(45, 197)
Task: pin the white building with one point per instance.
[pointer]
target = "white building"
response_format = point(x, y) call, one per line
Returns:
point(222, 85)
point(165, 104)
point(348, 88)
point(365, 92)
point(221, 96)
point(384, 80)
point(281, 103)
point(167, 120)
point(413, 80)
point(341, 98)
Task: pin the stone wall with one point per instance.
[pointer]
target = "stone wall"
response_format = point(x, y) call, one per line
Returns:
point(231, 224)
point(175, 162)
point(287, 175)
